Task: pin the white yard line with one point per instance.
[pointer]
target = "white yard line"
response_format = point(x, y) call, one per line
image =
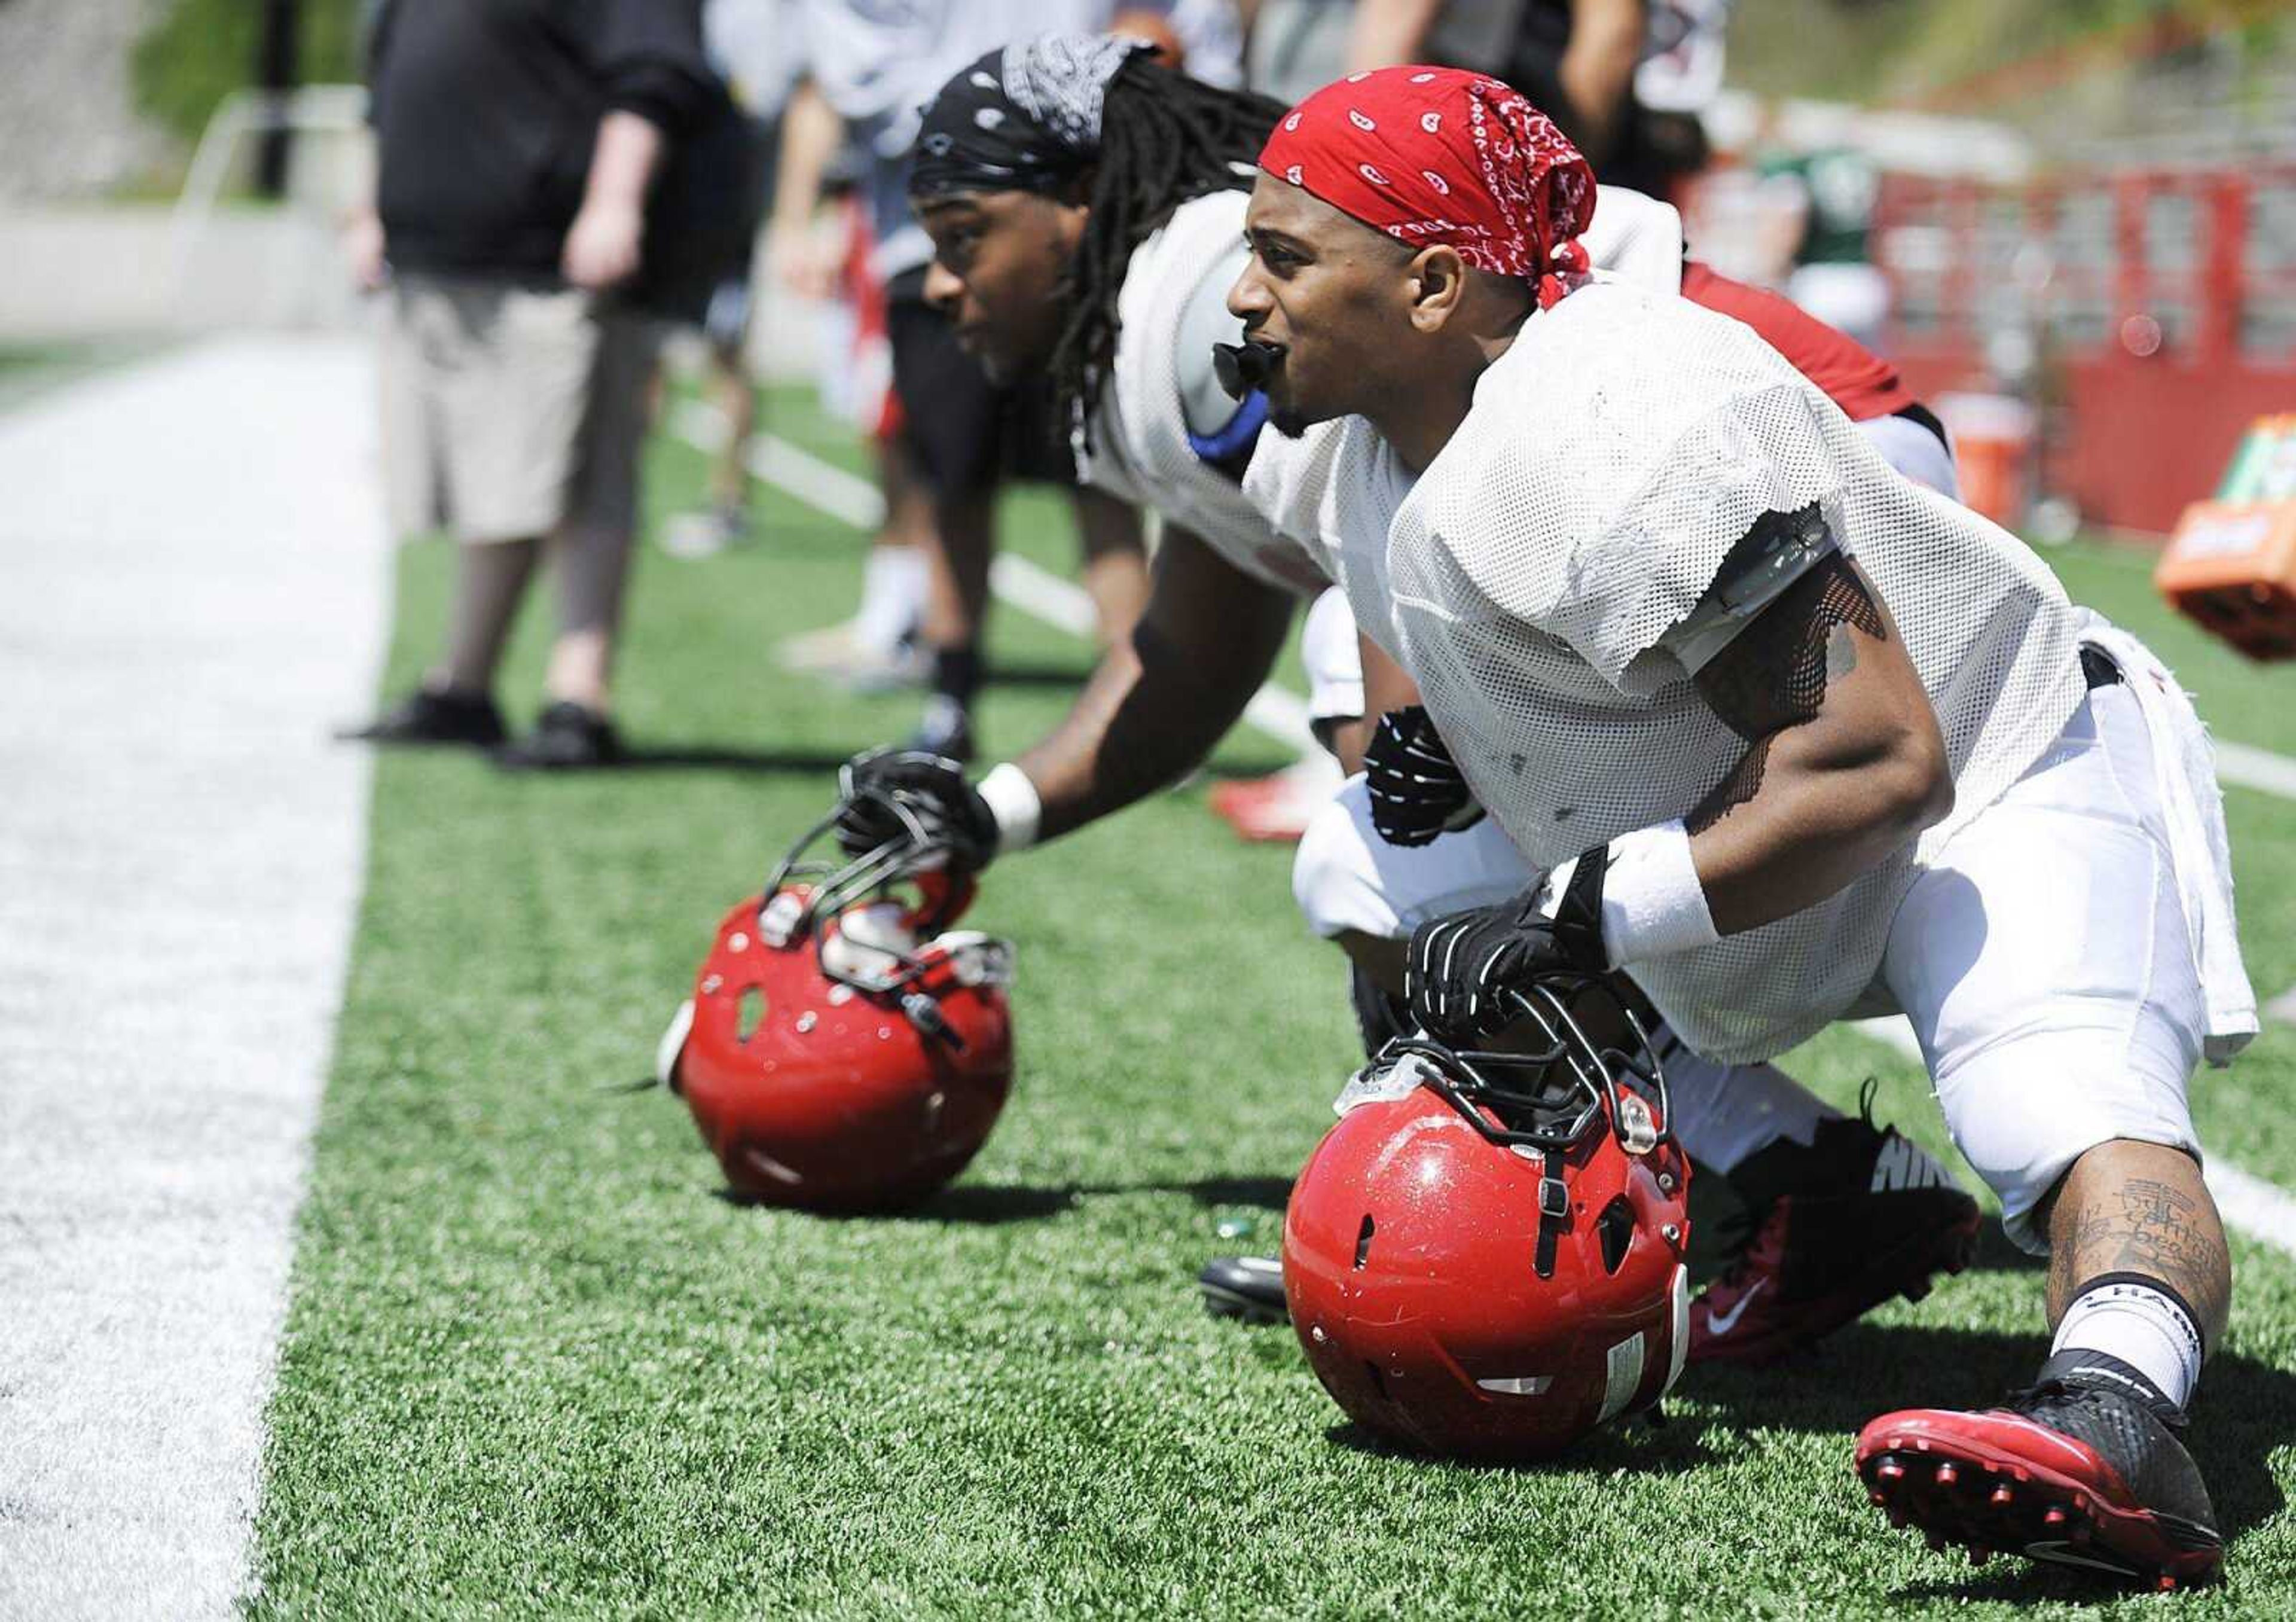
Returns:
point(2263, 1211)
point(1034, 590)
point(2259, 769)
point(195, 586)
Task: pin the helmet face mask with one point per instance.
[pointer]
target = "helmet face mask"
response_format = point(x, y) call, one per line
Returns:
point(844, 1050)
point(1484, 1257)
point(1550, 1088)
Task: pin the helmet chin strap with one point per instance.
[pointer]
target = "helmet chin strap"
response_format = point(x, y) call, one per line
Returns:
point(1553, 1212)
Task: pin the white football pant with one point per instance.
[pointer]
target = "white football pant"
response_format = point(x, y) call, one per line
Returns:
point(2043, 961)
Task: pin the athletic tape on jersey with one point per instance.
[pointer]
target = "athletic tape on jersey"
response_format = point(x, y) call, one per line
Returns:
point(1529, 579)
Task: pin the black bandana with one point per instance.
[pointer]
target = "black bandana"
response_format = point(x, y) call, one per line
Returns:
point(1022, 118)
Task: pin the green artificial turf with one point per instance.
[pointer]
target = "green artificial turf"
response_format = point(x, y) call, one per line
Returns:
point(537, 1363)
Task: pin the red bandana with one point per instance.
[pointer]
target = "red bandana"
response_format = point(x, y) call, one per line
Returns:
point(1434, 155)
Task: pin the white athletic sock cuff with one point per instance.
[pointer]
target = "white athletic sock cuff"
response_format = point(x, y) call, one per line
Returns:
point(892, 596)
point(2145, 1328)
point(1652, 903)
point(1012, 800)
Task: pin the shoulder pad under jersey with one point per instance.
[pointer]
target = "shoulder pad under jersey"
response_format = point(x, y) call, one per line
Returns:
point(1215, 421)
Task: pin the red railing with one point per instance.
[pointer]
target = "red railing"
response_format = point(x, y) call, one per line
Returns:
point(2149, 315)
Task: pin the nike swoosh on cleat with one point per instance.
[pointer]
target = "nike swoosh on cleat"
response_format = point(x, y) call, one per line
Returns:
point(1722, 1324)
point(2065, 1554)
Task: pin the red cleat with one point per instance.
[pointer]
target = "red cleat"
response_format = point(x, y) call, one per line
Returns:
point(1277, 809)
point(2077, 1472)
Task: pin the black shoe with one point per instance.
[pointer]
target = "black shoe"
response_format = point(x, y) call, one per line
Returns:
point(2086, 1470)
point(567, 736)
point(946, 730)
point(1246, 1286)
point(429, 716)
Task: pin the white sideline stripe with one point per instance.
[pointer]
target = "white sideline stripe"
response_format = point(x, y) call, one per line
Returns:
point(1026, 586)
point(2263, 1211)
point(2257, 768)
point(196, 582)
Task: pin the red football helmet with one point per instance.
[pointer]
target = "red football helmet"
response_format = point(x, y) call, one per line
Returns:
point(1484, 1257)
point(843, 1050)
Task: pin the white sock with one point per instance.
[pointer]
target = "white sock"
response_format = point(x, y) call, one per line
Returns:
point(2145, 1328)
point(1724, 1113)
point(893, 597)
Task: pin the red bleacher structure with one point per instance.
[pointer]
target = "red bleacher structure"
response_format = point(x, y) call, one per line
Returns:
point(2150, 314)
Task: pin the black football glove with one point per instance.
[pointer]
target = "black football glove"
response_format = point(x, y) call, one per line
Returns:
point(1417, 791)
point(1460, 969)
point(931, 788)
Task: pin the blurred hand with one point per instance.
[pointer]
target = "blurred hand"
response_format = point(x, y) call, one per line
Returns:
point(601, 248)
point(363, 246)
point(807, 258)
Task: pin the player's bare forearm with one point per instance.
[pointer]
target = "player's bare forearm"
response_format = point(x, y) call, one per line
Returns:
point(1162, 698)
point(623, 162)
point(1389, 33)
point(1844, 762)
point(1387, 685)
point(1598, 66)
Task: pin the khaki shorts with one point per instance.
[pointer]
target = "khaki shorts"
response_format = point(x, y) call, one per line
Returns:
point(511, 412)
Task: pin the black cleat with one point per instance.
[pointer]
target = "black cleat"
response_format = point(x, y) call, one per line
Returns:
point(1249, 1288)
point(2086, 1470)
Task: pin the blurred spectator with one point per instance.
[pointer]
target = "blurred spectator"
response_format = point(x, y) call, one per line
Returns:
point(1576, 59)
point(1298, 47)
point(877, 62)
point(753, 47)
point(829, 255)
point(516, 142)
point(1830, 192)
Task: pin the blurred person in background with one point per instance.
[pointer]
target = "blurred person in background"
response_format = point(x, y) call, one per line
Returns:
point(1830, 192)
point(751, 45)
point(877, 62)
point(516, 142)
point(825, 255)
point(1576, 59)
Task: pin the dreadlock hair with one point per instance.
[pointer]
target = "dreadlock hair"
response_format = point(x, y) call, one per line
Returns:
point(1164, 139)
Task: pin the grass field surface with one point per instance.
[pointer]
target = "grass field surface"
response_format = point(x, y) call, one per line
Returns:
point(537, 1363)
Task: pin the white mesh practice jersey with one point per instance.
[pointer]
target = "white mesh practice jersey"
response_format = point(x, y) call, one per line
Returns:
point(1139, 448)
point(1528, 580)
point(1139, 445)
